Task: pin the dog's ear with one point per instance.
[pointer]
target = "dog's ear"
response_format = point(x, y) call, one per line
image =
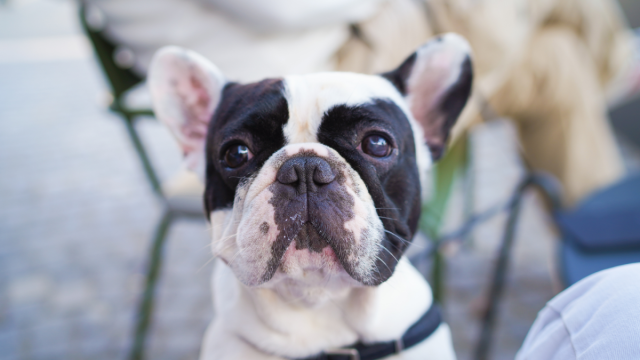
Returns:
point(436, 82)
point(186, 89)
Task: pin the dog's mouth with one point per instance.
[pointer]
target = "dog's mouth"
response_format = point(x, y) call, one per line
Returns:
point(305, 215)
point(312, 248)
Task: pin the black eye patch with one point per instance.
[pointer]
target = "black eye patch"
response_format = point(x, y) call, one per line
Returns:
point(376, 127)
point(393, 182)
point(255, 113)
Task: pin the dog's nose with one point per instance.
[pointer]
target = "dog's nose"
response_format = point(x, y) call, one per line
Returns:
point(305, 173)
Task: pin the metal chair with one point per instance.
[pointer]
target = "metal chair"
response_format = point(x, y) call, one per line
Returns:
point(601, 232)
point(180, 197)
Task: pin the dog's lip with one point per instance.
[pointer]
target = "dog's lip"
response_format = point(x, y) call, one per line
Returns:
point(327, 253)
point(307, 261)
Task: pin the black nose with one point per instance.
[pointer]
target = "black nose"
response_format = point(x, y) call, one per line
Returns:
point(305, 173)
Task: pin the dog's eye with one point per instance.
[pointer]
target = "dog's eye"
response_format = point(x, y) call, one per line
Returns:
point(376, 146)
point(237, 155)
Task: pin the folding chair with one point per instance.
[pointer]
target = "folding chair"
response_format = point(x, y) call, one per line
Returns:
point(601, 232)
point(181, 196)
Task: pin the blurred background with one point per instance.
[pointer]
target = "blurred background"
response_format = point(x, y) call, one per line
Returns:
point(85, 188)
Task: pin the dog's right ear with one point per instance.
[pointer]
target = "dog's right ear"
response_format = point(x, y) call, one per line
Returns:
point(186, 89)
point(436, 83)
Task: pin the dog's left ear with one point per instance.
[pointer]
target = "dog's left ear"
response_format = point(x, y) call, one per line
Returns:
point(186, 89)
point(436, 82)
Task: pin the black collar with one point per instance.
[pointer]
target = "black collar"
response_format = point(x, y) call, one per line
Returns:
point(419, 331)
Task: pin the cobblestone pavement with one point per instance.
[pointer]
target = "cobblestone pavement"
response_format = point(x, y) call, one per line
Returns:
point(76, 216)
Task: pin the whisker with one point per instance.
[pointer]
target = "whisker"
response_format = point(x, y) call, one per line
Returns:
point(387, 250)
point(385, 264)
point(397, 236)
point(228, 237)
point(225, 247)
point(205, 264)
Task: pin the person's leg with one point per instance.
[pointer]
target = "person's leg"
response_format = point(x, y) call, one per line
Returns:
point(597, 318)
point(557, 101)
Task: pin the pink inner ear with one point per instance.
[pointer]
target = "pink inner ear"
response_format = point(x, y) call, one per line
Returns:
point(185, 88)
point(428, 83)
point(197, 112)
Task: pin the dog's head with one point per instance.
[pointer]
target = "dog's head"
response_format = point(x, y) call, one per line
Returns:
point(313, 177)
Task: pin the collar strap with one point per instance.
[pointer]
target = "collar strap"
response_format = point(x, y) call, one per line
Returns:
point(418, 332)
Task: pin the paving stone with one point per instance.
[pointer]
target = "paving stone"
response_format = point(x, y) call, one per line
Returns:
point(9, 348)
point(29, 288)
point(51, 340)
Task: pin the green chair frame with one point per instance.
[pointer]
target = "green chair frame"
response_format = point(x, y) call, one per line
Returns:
point(121, 80)
point(453, 165)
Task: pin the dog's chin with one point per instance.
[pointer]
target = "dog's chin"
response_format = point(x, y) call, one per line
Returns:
point(309, 265)
point(312, 259)
point(311, 277)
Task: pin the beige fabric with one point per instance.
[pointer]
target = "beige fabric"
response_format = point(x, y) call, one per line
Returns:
point(500, 31)
point(560, 110)
point(386, 39)
point(548, 64)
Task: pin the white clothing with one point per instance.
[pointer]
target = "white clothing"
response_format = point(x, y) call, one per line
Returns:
point(597, 318)
point(247, 39)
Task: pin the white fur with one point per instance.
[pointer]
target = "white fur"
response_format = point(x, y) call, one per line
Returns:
point(257, 323)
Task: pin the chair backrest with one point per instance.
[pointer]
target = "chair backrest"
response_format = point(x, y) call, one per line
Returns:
point(121, 79)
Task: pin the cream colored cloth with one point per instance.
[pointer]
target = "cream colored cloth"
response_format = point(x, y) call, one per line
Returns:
point(550, 65)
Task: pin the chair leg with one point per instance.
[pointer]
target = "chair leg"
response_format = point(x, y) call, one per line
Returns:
point(145, 307)
point(142, 154)
point(499, 275)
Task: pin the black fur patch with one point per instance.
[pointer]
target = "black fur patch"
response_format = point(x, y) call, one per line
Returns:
point(399, 76)
point(253, 114)
point(454, 101)
point(393, 182)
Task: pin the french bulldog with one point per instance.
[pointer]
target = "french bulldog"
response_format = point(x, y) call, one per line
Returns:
point(313, 192)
